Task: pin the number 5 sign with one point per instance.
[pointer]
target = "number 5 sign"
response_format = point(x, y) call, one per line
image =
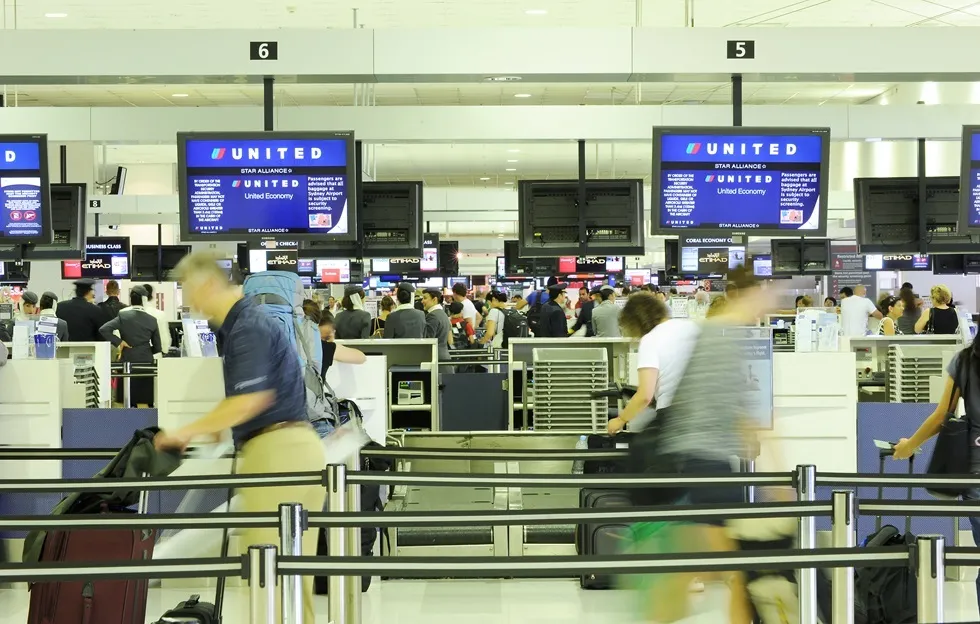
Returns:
point(741, 49)
point(263, 51)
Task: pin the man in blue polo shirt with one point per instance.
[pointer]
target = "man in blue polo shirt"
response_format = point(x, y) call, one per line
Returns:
point(264, 404)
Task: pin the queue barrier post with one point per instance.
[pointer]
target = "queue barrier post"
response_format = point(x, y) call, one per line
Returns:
point(127, 396)
point(262, 562)
point(806, 491)
point(337, 542)
point(931, 576)
point(353, 612)
point(844, 536)
point(292, 524)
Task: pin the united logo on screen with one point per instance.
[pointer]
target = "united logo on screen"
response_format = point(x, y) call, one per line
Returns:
point(267, 153)
point(742, 149)
point(218, 153)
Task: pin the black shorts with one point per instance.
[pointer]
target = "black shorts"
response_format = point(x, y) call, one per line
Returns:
point(711, 495)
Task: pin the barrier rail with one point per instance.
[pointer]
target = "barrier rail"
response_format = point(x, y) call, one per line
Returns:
point(930, 555)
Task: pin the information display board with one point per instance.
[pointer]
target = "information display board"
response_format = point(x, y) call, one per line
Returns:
point(710, 255)
point(763, 181)
point(897, 262)
point(333, 271)
point(106, 257)
point(428, 263)
point(252, 184)
point(637, 277)
point(24, 192)
point(570, 265)
point(762, 266)
point(970, 179)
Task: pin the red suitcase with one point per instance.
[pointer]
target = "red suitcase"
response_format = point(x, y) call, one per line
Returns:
point(93, 602)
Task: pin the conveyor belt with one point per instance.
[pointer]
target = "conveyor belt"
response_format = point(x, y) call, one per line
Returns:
point(541, 499)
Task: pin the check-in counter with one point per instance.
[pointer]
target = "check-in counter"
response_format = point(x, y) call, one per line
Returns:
point(897, 369)
point(814, 413)
point(408, 360)
point(101, 356)
point(520, 358)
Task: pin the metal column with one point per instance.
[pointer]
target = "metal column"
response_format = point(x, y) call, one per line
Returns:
point(337, 542)
point(262, 584)
point(292, 524)
point(806, 477)
point(353, 545)
point(931, 576)
point(268, 104)
point(844, 536)
point(127, 397)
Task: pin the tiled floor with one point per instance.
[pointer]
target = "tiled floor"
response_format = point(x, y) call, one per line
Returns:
point(480, 602)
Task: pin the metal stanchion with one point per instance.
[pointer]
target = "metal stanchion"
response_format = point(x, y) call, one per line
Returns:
point(353, 545)
point(844, 536)
point(337, 542)
point(127, 397)
point(806, 491)
point(292, 524)
point(262, 583)
point(931, 573)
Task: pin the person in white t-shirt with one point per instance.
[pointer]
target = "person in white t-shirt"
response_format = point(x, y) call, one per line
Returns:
point(665, 346)
point(855, 310)
point(469, 310)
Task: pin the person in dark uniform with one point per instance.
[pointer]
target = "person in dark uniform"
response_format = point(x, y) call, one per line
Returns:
point(83, 317)
point(138, 341)
point(353, 322)
point(47, 307)
point(552, 323)
point(111, 306)
point(437, 323)
point(405, 321)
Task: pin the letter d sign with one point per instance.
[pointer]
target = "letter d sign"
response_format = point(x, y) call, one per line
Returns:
point(9, 155)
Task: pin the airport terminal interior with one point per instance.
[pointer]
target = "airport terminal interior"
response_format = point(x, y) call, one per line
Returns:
point(523, 239)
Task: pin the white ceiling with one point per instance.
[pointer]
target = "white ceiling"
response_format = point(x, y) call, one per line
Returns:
point(145, 14)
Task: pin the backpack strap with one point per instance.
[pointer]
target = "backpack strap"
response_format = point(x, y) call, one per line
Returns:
point(270, 299)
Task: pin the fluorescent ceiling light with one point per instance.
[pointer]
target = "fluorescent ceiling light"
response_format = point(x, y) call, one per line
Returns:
point(873, 140)
point(513, 160)
point(522, 95)
point(484, 179)
point(509, 184)
point(502, 79)
point(55, 15)
point(179, 95)
point(510, 169)
point(536, 12)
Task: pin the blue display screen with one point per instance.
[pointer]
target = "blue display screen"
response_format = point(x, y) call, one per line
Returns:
point(740, 181)
point(266, 186)
point(21, 191)
point(973, 214)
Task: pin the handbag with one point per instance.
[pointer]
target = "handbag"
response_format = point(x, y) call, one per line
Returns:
point(647, 456)
point(951, 455)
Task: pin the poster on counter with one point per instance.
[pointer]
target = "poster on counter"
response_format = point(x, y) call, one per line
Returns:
point(756, 346)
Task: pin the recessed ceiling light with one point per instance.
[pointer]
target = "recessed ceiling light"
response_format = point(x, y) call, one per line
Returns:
point(179, 95)
point(510, 169)
point(509, 183)
point(513, 160)
point(536, 12)
point(484, 179)
point(502, 79)
point(55, 15)
point(522, 95)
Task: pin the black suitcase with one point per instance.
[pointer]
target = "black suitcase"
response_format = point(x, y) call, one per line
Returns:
point(604, 442)
point(601, 538)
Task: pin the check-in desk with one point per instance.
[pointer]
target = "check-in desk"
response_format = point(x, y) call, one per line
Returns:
point(409, 361)
point(520, 358)
point(101, 356)
point(897, 369)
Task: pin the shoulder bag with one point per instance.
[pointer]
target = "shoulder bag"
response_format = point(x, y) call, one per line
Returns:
point(951, 455)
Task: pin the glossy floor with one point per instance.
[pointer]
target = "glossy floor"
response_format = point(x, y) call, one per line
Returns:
point(482, 602)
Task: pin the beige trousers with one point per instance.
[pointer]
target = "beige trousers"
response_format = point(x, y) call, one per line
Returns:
point(290, 449)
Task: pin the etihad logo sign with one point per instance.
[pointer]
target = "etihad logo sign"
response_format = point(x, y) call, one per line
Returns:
point(266, 153)
point(742, 149)
point(898, 258)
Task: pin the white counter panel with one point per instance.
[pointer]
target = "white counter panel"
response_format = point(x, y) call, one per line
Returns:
point(187, 388)
point(815, 413)
point(30, 413)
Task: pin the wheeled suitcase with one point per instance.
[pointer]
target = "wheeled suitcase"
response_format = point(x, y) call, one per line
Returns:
point(93, 602)
point(601, 538)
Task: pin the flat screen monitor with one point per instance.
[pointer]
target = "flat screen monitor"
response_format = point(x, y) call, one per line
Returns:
point(273, 260)
point(145, 265)
point(426, 264)
point(710, 255)
point(106, 257)
point(333, 271)
point(380, 265)
point(501, 266)
point(637, 277)
point(757, 181)
point(68, 209)
point(970, 179)
point(801, 257)
point(15, 272)
point(897, 262)
point(236, 185)
point(24, 192)
point(551, 213)
point(886, 214)
point(306, 266)
point(762, 266)
point(449, 258)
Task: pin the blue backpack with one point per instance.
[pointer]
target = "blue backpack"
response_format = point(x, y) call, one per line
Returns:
point(280, 295)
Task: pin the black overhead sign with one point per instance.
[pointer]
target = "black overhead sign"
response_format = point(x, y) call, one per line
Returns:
point(741, 49)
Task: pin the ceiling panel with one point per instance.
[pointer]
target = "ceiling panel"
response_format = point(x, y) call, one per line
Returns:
point(442, 94)
point(262, 14)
